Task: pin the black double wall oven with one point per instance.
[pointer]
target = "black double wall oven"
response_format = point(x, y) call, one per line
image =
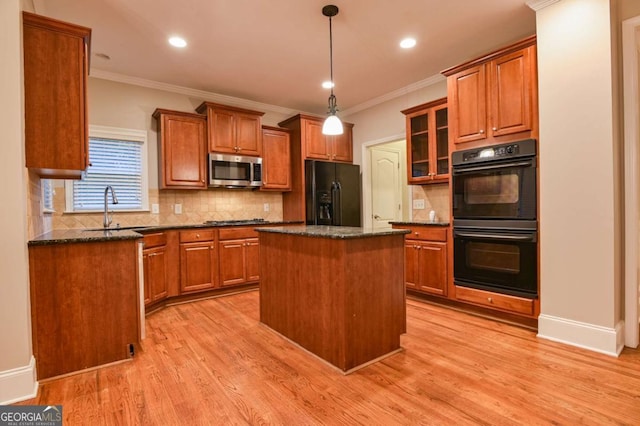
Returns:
point(495, 233)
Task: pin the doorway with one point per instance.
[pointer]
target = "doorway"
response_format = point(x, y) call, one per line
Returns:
point(385, 191)
point(631, 97)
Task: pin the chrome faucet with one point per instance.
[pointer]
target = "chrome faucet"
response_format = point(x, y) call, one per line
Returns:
point(107, 217)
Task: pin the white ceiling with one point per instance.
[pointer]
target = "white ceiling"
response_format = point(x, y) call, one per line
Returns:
point(277, 51)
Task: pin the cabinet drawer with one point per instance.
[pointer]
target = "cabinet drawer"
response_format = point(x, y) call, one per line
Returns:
point(197, 235)
point(504, 302)
point(236, 233)
point(155, 240)
point(431, 233)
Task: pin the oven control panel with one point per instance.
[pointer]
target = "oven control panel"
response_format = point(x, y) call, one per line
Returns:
point(524, 148)
point(492, 152)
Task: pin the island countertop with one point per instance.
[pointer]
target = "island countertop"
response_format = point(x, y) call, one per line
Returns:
point(333, 232)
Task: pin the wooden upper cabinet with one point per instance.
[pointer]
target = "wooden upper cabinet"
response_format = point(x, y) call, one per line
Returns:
point(317, 146)
point(56, 68)
point(493, 99)
point(182, 150)
point(233, 130)
point(510, 82)
point(276, 159)
point(468, 104)
point(427, 143)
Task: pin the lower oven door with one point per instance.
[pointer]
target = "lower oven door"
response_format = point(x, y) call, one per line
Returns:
point(503, 261)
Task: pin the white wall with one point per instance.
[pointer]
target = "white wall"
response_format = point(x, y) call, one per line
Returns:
point(578, 212)
point(17, 371)
point(385, 122)
point(130, 106)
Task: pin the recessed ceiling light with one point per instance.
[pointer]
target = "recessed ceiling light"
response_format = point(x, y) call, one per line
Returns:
point(327, 85)
point(408, 43)
point(177, 42)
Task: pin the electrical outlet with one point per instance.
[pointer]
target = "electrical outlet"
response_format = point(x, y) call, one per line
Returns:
point(418, 204)
point(177, 208)
point(155, 208)
point(266, 207)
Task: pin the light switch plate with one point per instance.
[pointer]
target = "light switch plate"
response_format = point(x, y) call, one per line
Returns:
point(155, 208)
point(177, 208)
point(266, 207)
point(418, 204)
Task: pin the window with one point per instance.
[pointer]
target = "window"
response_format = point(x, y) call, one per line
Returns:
point(47, 195)
point(117, 157)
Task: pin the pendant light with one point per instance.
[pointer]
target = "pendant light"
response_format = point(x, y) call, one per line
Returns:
point(332, 125)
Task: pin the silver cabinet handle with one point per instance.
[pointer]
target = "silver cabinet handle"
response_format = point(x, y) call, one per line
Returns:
point(481, 131)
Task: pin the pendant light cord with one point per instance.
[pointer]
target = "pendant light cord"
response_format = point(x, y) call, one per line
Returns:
point(331, 54)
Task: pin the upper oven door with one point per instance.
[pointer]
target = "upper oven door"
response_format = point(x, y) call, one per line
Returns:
point(495, 190)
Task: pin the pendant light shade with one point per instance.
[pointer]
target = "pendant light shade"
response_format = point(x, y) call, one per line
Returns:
point(332, 125)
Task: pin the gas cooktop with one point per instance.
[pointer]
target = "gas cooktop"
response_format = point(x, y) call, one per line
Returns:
point(235, 222)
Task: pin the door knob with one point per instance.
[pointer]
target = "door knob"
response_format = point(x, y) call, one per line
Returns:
point(375, 216)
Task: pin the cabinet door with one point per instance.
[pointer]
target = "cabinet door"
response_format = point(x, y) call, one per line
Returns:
point(232, 262)
point(342, 146)
point(418, 152)
point(248, 134)
point(55, 78)
point(198, 266)
point(252, 259)
point(315, 142)
point(147, 277)
point(439, 144)
point(511, 86)
point(155, 279)
point(183, 146)
point(411, 264)
point(276, 160)
point(432, 264)
point(468, 102)
point(222, 131)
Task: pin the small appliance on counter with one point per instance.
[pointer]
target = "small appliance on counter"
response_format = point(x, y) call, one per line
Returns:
point(332, 193)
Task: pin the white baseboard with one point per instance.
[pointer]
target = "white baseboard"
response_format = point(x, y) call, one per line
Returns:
point(605, 340)
point(18, 384)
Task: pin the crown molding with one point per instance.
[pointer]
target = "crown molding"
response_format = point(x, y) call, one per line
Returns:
point(395, 94)
point(540, 4)
point(200, 94)
point(248, 104)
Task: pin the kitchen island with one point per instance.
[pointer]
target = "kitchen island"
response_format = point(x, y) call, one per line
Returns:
point(338, 292)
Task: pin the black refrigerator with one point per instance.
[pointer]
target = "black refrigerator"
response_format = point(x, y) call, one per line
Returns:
point(332, 193)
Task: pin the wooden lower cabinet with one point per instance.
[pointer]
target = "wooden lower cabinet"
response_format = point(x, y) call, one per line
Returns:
point(239, 256)
point(426, 258)
point(426, 266)
point(198, 261)
point(154, 261)
point(84, 304)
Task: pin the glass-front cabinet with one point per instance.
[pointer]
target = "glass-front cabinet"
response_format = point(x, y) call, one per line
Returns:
point(428, 143)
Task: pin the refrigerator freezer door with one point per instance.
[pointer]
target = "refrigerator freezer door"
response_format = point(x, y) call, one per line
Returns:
point(348, 178)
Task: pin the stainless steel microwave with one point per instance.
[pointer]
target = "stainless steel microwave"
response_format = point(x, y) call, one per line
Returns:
point(234, 171)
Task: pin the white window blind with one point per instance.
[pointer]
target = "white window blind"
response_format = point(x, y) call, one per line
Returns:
point(117, 157)
point(47, 195)
point(115, 163)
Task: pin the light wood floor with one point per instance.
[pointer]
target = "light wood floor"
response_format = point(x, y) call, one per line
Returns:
point(212, 362)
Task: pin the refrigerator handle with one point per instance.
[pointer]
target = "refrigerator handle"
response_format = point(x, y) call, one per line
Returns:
point(336, 201)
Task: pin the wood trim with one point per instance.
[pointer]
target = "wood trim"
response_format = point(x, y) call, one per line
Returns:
point(521, 44)
point(420, 107)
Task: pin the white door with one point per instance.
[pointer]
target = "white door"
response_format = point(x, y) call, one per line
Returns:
point(386, 187)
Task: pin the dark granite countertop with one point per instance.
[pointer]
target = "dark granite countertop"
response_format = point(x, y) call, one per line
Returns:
point(419, 223)
point(62, 236)
point(334, 232)
point(83, 236)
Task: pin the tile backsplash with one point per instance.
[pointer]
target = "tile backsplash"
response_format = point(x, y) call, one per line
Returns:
point(436, 197)
point(197, 207)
